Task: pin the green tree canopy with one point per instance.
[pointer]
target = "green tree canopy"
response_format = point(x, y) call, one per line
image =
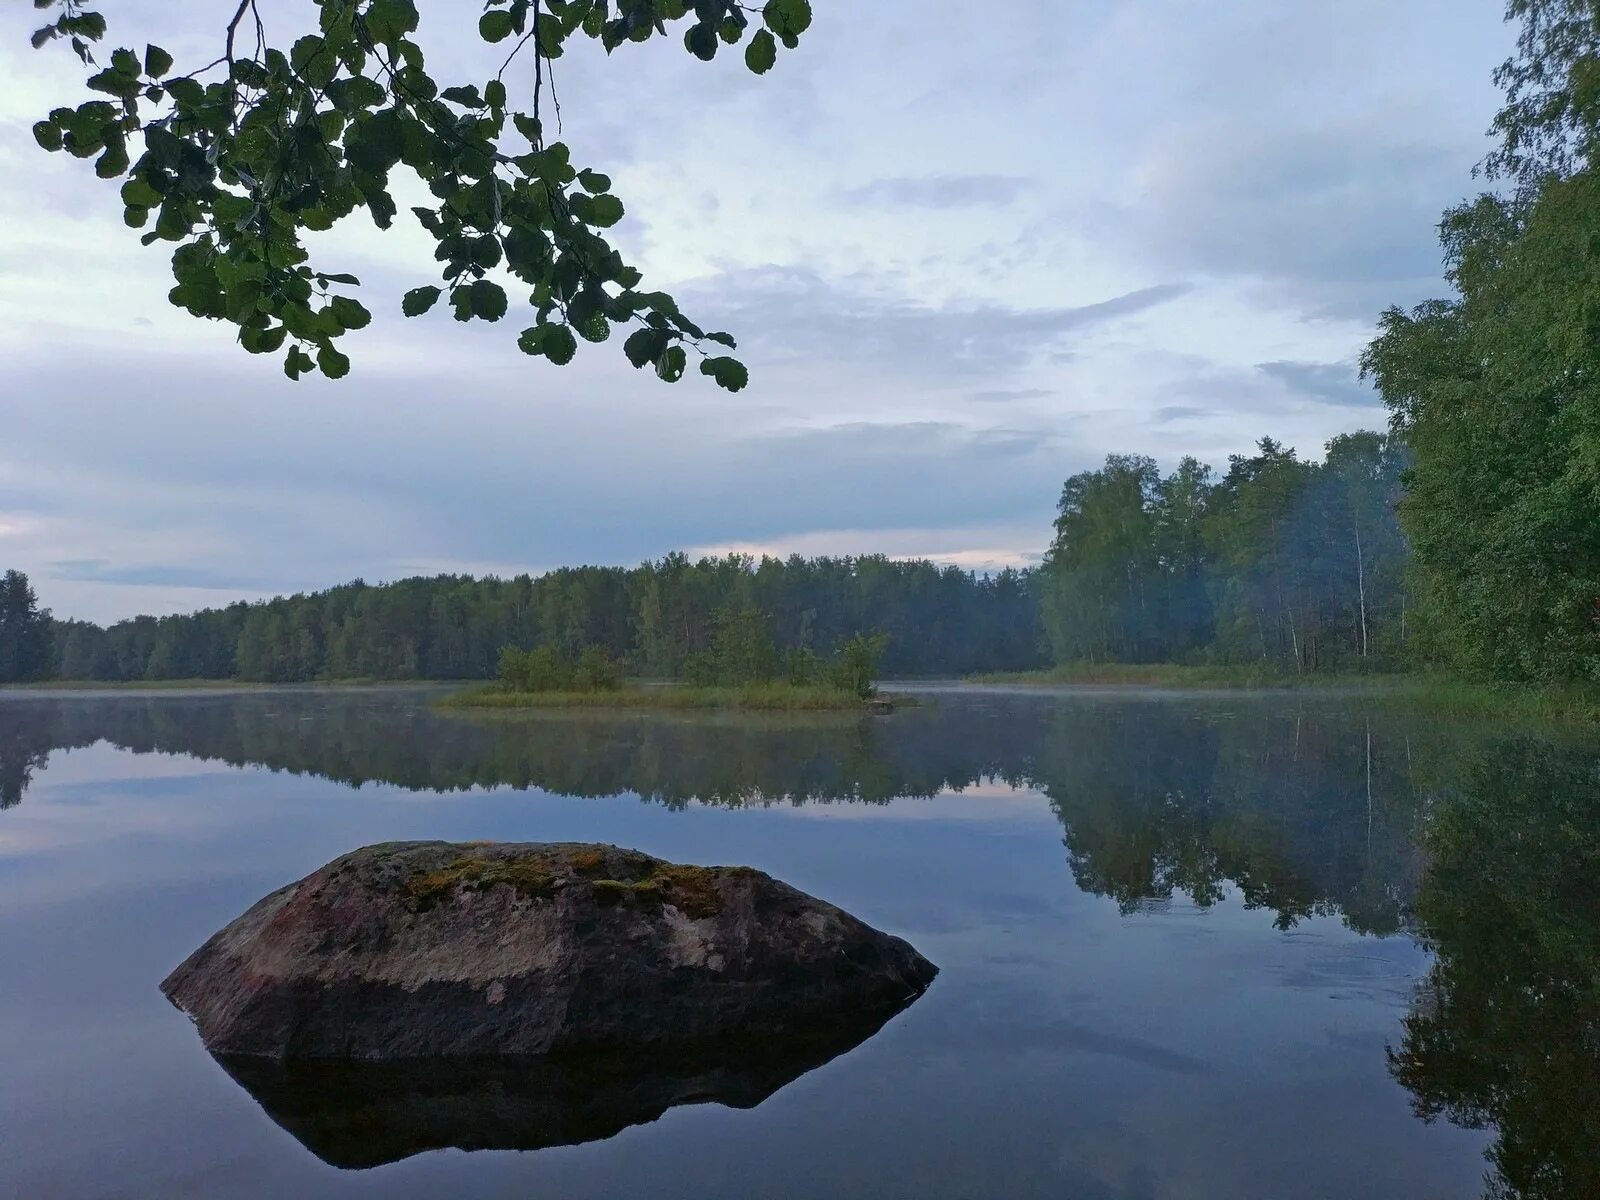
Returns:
point(1494, 389)
point(235, 162)
point(25, 632)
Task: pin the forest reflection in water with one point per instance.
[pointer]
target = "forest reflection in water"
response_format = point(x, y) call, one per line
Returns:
point(1483, 844)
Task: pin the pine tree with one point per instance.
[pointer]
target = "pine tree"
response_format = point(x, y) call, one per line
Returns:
point(25, 636)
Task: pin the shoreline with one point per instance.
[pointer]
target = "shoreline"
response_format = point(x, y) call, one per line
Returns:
point(754, 698)
point(1446, 694)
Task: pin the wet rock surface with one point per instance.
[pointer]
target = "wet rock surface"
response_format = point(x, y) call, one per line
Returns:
point(430, 950)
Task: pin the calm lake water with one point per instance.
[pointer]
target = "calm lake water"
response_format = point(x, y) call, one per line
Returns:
point(1191, 947)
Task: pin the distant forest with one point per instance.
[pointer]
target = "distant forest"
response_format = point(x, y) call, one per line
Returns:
point(652, 619)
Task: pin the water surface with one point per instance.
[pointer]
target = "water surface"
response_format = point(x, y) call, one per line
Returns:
point(1191, 947)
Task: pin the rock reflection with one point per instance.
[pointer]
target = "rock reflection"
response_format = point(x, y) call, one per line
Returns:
point(360, 1115)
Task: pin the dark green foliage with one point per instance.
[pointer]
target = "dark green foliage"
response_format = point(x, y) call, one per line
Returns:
point(655, 620)
point(546, 669)
point(236, 161)
point(1281, 561)
point(741, 647)
point(1495, 390)
point(742, 652)
point(25, 632)
point(855, 665)
point(542, 669)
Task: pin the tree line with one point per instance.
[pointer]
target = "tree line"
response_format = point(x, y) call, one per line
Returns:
point(657, 620)
point(1497, 389)
point(1296, 564)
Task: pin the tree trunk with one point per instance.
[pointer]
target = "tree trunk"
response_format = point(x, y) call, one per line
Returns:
point(1361, 583)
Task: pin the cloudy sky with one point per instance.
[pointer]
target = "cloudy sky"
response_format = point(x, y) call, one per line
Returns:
point(965, 260)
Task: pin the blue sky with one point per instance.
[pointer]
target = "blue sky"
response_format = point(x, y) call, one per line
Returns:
point(965, 260)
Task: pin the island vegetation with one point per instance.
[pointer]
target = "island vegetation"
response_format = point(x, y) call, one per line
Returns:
point(741, 668)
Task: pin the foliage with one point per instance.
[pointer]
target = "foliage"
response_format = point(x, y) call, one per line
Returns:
point(25, 635)
point(740, 656)
point(547, 669)
point(653, 620)
point(235, 162)
point(1495, 389)
point(1288, 564)
point(855, 665)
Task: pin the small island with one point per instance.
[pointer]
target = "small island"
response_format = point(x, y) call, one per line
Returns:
point(739, 668)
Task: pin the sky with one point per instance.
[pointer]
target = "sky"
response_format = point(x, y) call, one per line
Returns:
point(968, 250)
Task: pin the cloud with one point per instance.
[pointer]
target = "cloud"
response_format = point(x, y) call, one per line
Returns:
point(1326, 383)
point(1344, 225)
point(1010, 396)
point(795, 314)
point(939, 191)
point(100, 570)
point(1169, 413)
point(991, 547)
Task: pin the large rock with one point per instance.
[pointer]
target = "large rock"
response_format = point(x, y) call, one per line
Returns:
point(426, 950)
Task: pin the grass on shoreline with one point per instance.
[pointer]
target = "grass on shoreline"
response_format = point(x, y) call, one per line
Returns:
point(1166, 675)
point(1444, 694)
point(768, 697)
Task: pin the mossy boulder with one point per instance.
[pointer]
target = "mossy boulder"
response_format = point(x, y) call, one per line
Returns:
point(419, 950)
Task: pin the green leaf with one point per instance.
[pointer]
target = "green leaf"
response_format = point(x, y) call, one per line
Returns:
point(701, 41)
point(594, 182)
point(390, 20)
point(531, 340)
point(334, 365)
point(645, 346)
point(488, 300)
point(495, 25)
point(787, 18)
point(47, 134)
point(528, 128)
point(157, 62)
point(762, 52)
point(296, 362)
point(313, 61)
point(352, 314)
point(729, 373)
point(559, 345)
point(672, 364)
point(419, 300)
point(595, 327)
point(114, 161)
point(605, 211)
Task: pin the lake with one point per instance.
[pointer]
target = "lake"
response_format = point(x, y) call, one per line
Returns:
point(1191, 947)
